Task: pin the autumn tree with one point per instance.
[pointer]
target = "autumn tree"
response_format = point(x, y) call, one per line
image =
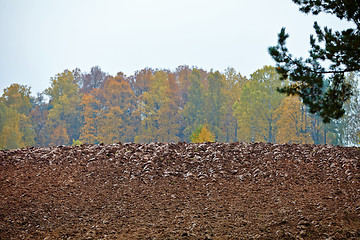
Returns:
point(92, 80)
point(323, 89)
point(296, 125)
point(255, 108)
point(17, 130)
point(202, 134)
point(248, 118)
point(119, 121)
point(64, 118)
point(189, 104)
point(231, 91)
point(2, 115)
point(183, 74)
point(18, 98)
point(292, 121)
point(196, 108)
point(91, 114)
point(159, 111)
point(141, 81)
point(215, 98)
point(11, 136)
point(39, 115)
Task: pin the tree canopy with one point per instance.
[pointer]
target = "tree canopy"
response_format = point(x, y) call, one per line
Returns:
point(188, 104)
point(322, 86)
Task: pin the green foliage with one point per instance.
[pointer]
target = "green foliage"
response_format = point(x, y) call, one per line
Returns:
point(195, 134)
point(256, 106)
point(165, 106)
point(159, 113)
point(15, 126)
point(195, 109)
point(63, 121)
point(234, 83)
point(216, 100)
point(18, 98)
point(323, 90)
point(11, 136)
point(2, 115)
point(39, 116)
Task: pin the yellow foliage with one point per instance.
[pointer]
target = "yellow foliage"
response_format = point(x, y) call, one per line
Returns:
point(11, 136)
point(76, 142)
point(88, 132)
point(255, 108)
point(15, 124)
point(59, 136)
point(160, 119)
point(202, 135)
point(292, 122)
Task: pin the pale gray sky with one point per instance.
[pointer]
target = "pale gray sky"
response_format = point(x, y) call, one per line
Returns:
point(40, 38)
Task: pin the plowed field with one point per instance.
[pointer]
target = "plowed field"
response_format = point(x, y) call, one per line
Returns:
point(180, 191)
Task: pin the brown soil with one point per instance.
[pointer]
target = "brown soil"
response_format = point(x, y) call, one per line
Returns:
point(180, 191)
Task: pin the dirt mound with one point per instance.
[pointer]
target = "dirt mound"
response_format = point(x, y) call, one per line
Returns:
point(180, 191)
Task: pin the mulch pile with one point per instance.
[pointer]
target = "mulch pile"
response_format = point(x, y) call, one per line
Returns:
point(180, 191)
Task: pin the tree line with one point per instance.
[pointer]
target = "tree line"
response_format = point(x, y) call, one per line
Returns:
point(159, 105)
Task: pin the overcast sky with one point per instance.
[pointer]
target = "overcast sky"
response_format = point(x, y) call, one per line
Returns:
point(40, 38)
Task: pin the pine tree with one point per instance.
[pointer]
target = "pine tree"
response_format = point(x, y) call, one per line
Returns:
point(323, 89)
